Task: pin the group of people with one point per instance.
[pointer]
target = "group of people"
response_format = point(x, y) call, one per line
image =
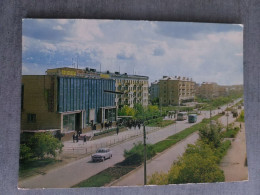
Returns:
point(107, 125)
point(76, 137)
point(133, 123)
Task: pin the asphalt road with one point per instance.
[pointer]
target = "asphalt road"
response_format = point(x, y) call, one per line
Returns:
point(163, 162)
point(73, 173)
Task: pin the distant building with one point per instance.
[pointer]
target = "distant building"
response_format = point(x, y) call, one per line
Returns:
point(154, 90)
point(175, 90)
point(208, 90)
point(212, 90)
point(63, 100)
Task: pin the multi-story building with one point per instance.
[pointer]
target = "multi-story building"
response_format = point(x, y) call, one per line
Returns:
point(174, 90)
point(134, 88)
point(63, 100)
point(154, 90)
point(208, 90)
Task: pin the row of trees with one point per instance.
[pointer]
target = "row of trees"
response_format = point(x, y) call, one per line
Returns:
point(139, 112)
point(39, 146)
point(199, 163)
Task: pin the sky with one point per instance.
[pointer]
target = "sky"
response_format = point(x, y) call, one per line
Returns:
point(204, 52)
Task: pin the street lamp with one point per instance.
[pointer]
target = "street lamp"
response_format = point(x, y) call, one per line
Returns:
point(227, 119)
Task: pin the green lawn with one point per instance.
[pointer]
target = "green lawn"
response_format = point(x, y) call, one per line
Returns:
point(104, 177)
point(34, 167)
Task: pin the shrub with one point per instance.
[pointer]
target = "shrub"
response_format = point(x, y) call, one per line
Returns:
point(42, 144)
point(25, 153)
point(135, 156)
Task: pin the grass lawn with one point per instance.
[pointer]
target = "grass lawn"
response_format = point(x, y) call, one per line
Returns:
point(105, 177)
point(105, 134)
point(159, 122)
point(34, 167)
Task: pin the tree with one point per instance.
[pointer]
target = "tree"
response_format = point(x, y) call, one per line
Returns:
point(210, 134)
point(42, 144)
point(197, 165)
point(135, 156)
point(194, 168)
point(126, 111)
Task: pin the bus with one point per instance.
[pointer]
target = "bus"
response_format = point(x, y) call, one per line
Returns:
point(192, 118)
point(182, 116)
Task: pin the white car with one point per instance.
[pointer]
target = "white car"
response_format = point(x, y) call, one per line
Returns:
point(101, 154)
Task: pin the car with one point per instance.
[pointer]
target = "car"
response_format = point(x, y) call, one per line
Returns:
point(101, 154)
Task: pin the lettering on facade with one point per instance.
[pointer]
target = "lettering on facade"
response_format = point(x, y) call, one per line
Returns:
point(105, 76)
point(68, 73)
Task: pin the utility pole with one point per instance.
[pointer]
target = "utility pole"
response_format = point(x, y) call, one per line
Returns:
point(144, 155)
point(210, 118)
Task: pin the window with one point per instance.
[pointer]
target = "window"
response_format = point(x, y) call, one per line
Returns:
point(31, 118)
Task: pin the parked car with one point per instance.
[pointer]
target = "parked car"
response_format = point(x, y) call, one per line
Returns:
point(101, 154)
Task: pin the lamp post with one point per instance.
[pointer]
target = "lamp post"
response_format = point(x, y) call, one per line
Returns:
point(227, 119)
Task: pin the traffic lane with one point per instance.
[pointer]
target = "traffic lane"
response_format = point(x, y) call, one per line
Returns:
point(161, 163)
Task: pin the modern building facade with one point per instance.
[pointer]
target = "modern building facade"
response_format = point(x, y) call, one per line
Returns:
point(175, 90)
point(65, 101)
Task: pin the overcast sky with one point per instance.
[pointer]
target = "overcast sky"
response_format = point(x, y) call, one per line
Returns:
point(202, 51)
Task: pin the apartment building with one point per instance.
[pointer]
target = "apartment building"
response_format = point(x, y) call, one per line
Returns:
point(209, 90)
point(134, 88)
point(175, 90)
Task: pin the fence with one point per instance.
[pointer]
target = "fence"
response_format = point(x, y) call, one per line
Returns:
point(90, 147)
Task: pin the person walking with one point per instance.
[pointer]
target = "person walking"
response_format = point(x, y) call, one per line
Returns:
point(77, 138)
point(117, 130)
point(73, 137)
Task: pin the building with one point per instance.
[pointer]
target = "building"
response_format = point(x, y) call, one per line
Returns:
point(175, 90)
point(209, 90)
point(134, 88)
point(64, 100)
point(154, 90)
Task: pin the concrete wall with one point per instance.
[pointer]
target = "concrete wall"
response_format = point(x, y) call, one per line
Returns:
point(36, 101)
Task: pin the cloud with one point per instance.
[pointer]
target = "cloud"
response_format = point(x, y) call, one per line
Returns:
point(205, 52)
point(158, 52)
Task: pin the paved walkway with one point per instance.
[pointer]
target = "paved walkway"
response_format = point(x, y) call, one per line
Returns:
point(233, 164)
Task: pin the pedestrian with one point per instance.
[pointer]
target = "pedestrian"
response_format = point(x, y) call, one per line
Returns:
point(139, 126)
point(77, 138)
point(85, 138)
point(117, 130)
point(73, 137)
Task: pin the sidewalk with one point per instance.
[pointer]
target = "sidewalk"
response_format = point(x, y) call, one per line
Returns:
point(91, 146)
point(233, 164)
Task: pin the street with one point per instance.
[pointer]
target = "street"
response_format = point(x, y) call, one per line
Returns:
point(162, 163)
point(74, 172)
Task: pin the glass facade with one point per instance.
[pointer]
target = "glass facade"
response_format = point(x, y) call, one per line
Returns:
point(75, 94)
point(69, 123)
